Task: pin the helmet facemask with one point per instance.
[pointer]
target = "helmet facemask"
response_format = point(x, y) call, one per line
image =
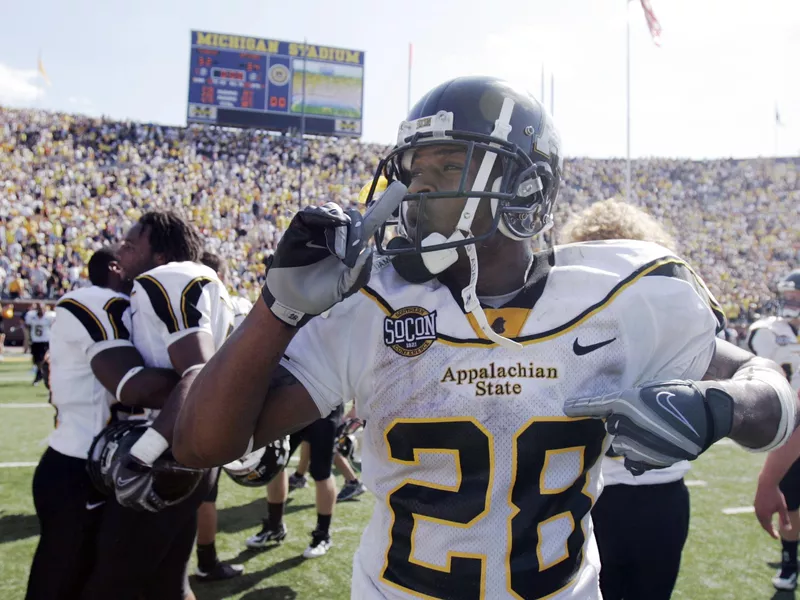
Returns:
point(517, 189)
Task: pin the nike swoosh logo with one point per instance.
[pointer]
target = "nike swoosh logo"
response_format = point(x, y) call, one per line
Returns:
point(317, 246)
point(581, 350)
point(670, 408)
point(93, 505)
point(126, 481)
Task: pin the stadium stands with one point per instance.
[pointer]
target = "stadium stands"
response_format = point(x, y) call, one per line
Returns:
point(69, 184)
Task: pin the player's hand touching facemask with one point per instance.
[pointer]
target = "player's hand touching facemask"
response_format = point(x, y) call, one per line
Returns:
point(324, 257)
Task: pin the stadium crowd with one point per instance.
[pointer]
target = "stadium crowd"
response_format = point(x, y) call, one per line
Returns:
point(69, 184)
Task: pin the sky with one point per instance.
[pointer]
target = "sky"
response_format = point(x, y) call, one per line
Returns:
point(710, 90)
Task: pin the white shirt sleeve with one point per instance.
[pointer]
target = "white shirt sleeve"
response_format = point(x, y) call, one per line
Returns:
point(763, 342)
point(93, 331)
point(328, 355)
point(175, 308)
point(670, 329)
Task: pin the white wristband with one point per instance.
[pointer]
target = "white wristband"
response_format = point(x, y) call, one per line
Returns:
point(192, 369)
point(786, 396)
point(149, 447)
point(125, 380)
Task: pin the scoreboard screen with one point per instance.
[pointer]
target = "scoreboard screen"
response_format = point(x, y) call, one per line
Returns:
point(242, 81)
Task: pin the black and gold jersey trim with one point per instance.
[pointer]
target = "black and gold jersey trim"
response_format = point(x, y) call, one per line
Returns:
point(189, 299)
point(680, 270)
point(160, 301)
point(86, 317)
point(377, 299)
point(115, 308)
point(664, 267)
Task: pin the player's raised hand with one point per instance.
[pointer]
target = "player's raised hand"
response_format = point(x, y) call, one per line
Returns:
point(657, 425)
point(323, 257)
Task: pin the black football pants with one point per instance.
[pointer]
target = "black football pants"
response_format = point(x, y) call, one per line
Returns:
point(640, 532)
point(144, 555)
point(69, 510)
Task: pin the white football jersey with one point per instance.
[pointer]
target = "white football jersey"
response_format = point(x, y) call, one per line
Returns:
point(40, 326)
point(776, 339)
point(483, 485)
point(241, 308)
point(174, 300)
point(89, 321)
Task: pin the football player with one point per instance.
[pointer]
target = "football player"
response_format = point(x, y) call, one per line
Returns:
point(321, 439)
point(92, 361)
point(482, 370)
point(209, 567)
point(180, 314)
point(777, 338)
point(633, 512)
point(39, 320)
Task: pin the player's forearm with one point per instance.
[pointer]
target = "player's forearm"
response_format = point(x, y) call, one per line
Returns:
point(765, 408)
point(149, 388)
point(222, 407)
point(165, 422)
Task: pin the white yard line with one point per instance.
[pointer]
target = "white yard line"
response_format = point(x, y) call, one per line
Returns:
point(738, 510)
point(695, 483)
point(25, 405)
point(14, 465)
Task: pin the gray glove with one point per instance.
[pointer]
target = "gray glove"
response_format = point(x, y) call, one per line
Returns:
point(324, 257)
point(657, 425)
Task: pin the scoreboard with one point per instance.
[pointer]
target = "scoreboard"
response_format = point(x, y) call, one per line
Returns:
point(242, 81)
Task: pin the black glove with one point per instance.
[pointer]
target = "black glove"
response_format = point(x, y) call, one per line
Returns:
point(133, 485)
point(324, 257)
point(659, 424)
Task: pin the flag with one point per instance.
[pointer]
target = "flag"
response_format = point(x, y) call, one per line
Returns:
point(652, 22)
point(42, 72)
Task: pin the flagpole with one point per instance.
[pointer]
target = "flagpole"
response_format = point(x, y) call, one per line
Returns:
point(541, 95)
point(303, 126)
point(628, 100)
point(552, 94)
point(408, 85)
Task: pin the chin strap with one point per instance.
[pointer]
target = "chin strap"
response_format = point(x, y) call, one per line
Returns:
point(473, 306)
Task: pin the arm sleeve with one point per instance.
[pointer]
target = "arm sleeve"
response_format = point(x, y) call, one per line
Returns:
point(176, 307)
point(670, 330)
point(94, 330)
point(330, 355)
point(762, 343)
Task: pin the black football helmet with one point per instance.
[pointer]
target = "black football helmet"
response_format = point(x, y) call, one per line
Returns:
point(789, 295)
point(520, 152)
point(172, 481)
point(260, 466)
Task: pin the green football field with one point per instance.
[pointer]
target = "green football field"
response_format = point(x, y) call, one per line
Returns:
point(726, 557)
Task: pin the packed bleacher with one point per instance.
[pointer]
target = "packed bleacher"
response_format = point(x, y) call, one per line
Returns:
point(70, 184)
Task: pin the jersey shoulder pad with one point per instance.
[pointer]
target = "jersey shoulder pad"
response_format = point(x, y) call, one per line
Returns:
point(174, 288)
point(604, 269)
point(390, 291)
point(241, 305)
point(766, 323)
point(100, 312)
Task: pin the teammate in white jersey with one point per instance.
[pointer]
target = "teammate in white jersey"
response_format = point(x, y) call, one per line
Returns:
point(90, 355)
point(39, 320)
point(635, 514)
point(777, 338)
point(473, 361)
point(180, 314)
